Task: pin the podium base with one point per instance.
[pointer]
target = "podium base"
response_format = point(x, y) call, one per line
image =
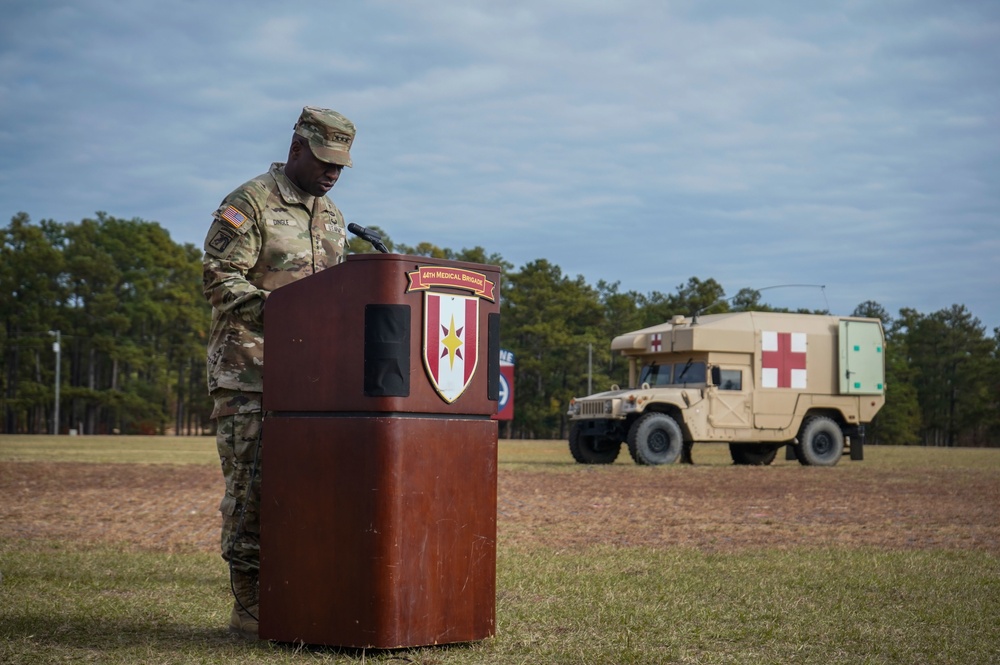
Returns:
point(378, 532)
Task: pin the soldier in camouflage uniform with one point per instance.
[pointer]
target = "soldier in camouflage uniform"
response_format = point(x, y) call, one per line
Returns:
point(270, 231)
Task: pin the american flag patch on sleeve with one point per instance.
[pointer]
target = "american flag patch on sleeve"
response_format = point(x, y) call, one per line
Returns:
point(234, 217)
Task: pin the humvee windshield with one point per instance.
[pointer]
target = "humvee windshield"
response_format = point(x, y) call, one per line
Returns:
point(655, 375)
point(678, 373)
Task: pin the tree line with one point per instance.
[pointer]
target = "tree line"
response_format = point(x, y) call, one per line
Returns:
point(123, 301)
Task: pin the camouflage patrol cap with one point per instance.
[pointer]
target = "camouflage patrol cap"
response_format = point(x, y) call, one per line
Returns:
point(330, 134)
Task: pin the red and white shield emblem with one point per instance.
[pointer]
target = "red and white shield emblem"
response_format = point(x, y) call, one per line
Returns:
point(451, 341)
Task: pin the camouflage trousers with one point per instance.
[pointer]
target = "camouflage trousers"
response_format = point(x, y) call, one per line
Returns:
point(238, 439)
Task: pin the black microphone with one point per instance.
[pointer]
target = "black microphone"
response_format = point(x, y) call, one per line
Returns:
point(372, 237)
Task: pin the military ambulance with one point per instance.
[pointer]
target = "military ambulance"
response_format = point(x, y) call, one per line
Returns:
point(755, 380)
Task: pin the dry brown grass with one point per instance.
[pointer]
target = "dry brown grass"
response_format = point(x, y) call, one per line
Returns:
point(711, 507)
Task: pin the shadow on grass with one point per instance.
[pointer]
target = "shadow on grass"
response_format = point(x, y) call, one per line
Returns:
point(27, 637)
point(92, 633)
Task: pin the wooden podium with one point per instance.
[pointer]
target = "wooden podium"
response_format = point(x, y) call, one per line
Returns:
point(378, 497)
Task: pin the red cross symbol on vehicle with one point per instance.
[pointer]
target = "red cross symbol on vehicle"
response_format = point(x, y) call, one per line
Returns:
point(783, 360)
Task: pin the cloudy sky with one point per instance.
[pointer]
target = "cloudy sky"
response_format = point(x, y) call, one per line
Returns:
point(853, 144)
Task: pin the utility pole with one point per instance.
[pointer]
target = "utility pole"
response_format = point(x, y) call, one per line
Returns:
point(57, 347)
point(590, 369)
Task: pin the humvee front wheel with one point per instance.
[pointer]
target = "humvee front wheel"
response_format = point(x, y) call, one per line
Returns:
point(753, 454)
point(821, 442)
point(592, 449)
point(655, 438)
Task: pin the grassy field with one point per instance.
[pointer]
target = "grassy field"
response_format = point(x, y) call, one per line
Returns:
point(109, 449)
point(69, 601)
point(550, 455)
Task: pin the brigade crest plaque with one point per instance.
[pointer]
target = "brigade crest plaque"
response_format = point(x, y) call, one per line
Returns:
point(451, 334)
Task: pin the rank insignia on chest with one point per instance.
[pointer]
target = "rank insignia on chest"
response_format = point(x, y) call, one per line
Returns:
point(234, 217)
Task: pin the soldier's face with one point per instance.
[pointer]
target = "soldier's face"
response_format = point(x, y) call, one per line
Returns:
point(309, 173)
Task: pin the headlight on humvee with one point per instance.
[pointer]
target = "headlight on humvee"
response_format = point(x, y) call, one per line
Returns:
point(608, 407)
point(574, 408)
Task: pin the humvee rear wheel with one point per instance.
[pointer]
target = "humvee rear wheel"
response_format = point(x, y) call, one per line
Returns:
point(592, 449)
point(821, 442)
point(655, 438)
point(753, 454)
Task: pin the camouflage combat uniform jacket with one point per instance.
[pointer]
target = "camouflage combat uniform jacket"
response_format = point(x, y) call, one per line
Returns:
point(267, 233)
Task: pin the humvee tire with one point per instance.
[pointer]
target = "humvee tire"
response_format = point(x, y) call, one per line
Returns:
point(821, 442)
point(655, 438)
point(753, 454)
point(592, 449)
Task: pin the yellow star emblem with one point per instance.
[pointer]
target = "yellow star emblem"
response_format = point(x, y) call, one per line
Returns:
point(452, 342)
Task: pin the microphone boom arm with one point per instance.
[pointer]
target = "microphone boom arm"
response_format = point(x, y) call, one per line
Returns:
point(373, 237)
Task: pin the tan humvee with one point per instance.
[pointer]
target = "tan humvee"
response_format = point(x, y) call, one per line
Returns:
point(757, 380)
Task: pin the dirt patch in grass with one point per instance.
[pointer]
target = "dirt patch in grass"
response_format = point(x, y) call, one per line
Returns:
point(712, 508)
point(724, 508)
point(154, 507)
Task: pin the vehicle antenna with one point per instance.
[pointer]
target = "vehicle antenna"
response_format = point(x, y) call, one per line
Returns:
point(821, 287)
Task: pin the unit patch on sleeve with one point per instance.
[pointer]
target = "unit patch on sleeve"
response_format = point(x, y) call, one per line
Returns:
point(234, 217)
point(221, 240)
